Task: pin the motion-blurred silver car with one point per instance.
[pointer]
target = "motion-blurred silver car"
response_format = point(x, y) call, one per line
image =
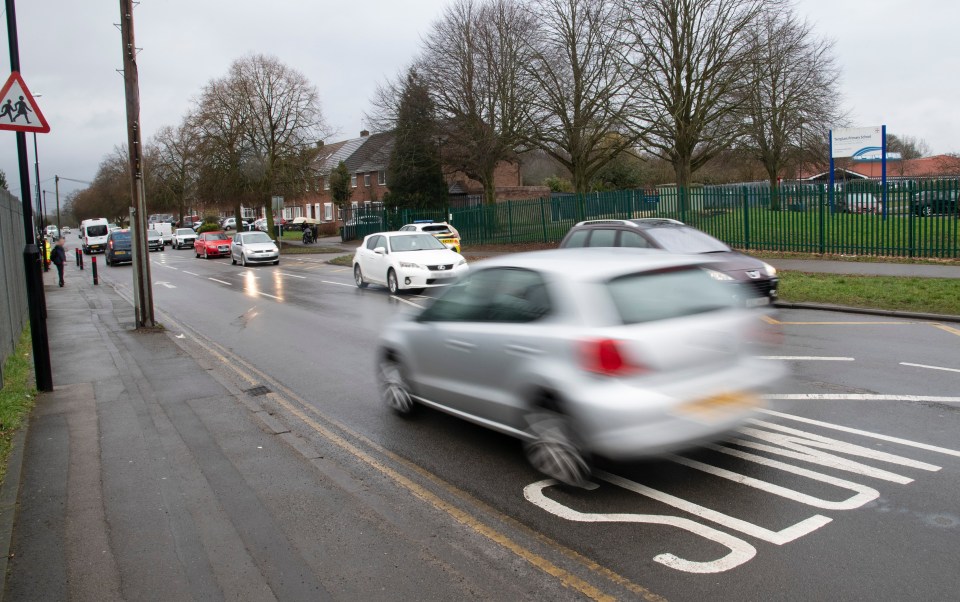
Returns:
point(622, 353)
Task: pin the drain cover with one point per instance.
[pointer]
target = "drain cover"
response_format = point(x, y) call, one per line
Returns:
point(257, 391)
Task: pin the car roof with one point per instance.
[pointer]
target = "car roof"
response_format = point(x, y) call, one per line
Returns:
point(643, 223)
point(594, 263)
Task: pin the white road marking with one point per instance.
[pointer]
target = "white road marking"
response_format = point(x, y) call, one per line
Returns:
point(220, 281)
point(407, 301)
point(269, 295)
point(167, 266)
point(858, 397)
point(846, 429)
point(805, 358)
point(337, 283)
point(740, 551)
point(291, 275)
point(191, 273)
point(929, 367)
point(166, 284)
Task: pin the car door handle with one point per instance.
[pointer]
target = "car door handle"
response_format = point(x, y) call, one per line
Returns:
point(461, 345)
point(521, 350)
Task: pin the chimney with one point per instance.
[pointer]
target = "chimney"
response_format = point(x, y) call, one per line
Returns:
point(319, 143)
point(364, 133)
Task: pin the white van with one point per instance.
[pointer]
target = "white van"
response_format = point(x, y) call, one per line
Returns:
point(93, 235)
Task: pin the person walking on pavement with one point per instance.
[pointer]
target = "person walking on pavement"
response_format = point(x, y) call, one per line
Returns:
point(59, 257)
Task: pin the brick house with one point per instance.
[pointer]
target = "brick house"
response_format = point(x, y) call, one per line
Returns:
point(367, 159)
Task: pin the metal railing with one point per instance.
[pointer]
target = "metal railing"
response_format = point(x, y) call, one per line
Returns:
point(13, 308)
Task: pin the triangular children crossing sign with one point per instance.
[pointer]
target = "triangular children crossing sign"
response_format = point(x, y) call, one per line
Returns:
point(18, 109)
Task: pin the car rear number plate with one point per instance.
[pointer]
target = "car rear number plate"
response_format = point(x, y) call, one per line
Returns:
point(718, 406)
point(119, 252)
point(757, 301)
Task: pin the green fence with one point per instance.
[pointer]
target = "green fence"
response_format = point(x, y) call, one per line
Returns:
point(913, 219)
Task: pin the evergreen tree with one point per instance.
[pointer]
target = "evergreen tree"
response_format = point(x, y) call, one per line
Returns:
point(414, 173)
point(340, 188)
point(3, 180)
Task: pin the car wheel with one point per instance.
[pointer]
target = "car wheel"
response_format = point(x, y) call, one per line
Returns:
point(552, 448)
point(392, 283)
point(394, 390)
point(358, 276)
point(927, 210)
point(233, 259)
point(206, 253)
point(243, 260)
point(196, 252)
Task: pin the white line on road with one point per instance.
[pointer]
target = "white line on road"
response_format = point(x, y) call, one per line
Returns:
point(859, 397)
point(291, 275)
point(406, 301)
point(269, 295)
point(168, 266)
point(338, 283)
point(929, 367)
point(220, 281)
point(811, 358)
point(191, 273)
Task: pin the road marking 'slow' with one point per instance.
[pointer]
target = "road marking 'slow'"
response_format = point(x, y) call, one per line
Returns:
point(929, 367)
point(806, 358)
point(220, 281)
point(858, 397)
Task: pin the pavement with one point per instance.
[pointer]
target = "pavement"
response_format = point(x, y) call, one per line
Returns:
point(147, 474)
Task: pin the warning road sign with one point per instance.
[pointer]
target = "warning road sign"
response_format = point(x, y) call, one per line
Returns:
point(18, 109)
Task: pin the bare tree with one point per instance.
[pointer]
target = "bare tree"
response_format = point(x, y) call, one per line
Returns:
point(793, 93)
point(170, 162)
point(691, 61)
point(582, 105)
point(909, 147)
point(474, 61)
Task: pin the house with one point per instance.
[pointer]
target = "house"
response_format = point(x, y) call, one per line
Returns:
point(938, 166)
point(367, 159)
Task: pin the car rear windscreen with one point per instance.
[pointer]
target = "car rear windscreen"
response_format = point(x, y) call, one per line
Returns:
point(652, 296)
point(96, 230)
point(686, 240)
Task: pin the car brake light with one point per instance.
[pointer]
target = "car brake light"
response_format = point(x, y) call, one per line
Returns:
point(605, 357)
point(111, 244)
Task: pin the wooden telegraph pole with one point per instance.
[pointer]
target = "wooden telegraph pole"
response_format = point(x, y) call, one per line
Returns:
point(142, 285)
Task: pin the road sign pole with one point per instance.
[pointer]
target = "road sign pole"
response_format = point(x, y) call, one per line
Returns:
point(31, 255)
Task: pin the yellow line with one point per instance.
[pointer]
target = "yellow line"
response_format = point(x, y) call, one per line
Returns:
point(770, 320)
point(949, 329)
point(849, 323)
point(565, 577)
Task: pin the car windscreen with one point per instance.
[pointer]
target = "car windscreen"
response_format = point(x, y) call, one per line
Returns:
point(414, 242)
point(254, 237)
point(685, 240)
point(121, 237)
point(652, 296)
point(153, 233)
point(96, 230)
point(185, 232)
point(217, 236)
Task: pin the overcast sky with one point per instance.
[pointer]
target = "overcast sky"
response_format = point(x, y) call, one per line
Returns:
point(899, 63)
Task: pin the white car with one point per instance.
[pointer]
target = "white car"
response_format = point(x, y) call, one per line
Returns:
point(52, 232)
point(253, 247)
point(183, 237)
point(406, 261)
point(154, 240)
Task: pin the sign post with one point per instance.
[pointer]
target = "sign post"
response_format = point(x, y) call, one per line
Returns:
point(859, 143)
point(277, 206)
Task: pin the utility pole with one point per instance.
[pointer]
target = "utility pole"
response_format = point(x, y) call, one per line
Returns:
point(142, 285)
point(56, 191)
point(31, 254)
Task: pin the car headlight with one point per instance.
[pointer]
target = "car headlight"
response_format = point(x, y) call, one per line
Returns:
point(719, 276)
point(461, 262)
point(412, 266)
point(769, 270)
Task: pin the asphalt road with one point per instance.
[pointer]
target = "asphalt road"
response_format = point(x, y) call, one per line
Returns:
point(848, 489)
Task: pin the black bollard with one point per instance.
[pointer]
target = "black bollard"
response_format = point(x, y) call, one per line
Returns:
point(80, 258)
point(93, 263)
point(77, 256)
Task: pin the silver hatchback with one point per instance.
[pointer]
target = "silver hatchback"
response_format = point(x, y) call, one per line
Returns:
point(622, 353)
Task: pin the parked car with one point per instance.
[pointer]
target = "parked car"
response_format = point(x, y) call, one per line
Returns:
point(582, 352)
point(118, 248)
point(406, 261)
point(444, 232)
point(52, 232)
point(931, 202)
point(230, 223)
point(212, 244)
point(183, 237)
point(154, 240)
point(760, 278)
point(253, 247)
point(160, 218)
point(858, 202)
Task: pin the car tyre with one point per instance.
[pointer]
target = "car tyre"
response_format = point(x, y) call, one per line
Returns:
point(392, 282)
point(243, 260)
point(358, 276)
point(927, 210)
point(394, 390)
point(233, 259)
point(552, 448)
point(196, 252)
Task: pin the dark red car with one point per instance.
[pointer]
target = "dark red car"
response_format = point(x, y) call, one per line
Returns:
point(212, 244)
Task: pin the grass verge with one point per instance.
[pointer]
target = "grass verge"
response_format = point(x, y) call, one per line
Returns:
point(309, 250)
point(344, 260)
point(927, 295)
point(16, 397)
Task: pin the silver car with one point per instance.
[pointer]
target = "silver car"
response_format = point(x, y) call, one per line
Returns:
point(253, 247)
point(154, 240)
point(621, 353)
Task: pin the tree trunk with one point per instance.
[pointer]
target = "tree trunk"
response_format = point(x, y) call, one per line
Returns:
point(238, 215)
point(581, 184)
point(681, 167)
point(774, 192)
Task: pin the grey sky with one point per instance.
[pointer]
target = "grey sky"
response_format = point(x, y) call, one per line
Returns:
point(898, 60)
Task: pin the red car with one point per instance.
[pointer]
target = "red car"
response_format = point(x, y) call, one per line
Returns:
point(212, 244)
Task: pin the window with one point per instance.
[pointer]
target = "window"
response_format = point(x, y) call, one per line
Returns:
point(328, 212)
point(577, 239)
point(376, 241)
point(326, 183)
point(353, 181)
point(505, 295)
point(664, 295)
point(366, 180)
point(633, 239)
point(603, 238)
point(382, 178)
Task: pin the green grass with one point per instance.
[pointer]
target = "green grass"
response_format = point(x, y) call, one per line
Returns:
point(344, 260)
point(309, 250)
point(292, 235)
point(928, 295)
point(16, 397)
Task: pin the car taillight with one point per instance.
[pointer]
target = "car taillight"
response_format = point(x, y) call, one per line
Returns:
point(604, 356)
point(111, 244)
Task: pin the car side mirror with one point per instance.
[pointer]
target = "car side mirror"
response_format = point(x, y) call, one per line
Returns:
point(380, 251)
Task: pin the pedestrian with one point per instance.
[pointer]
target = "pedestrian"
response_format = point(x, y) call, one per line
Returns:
point(59, 257)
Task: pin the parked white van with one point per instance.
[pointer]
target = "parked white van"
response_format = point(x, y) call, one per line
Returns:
point(93, 235)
